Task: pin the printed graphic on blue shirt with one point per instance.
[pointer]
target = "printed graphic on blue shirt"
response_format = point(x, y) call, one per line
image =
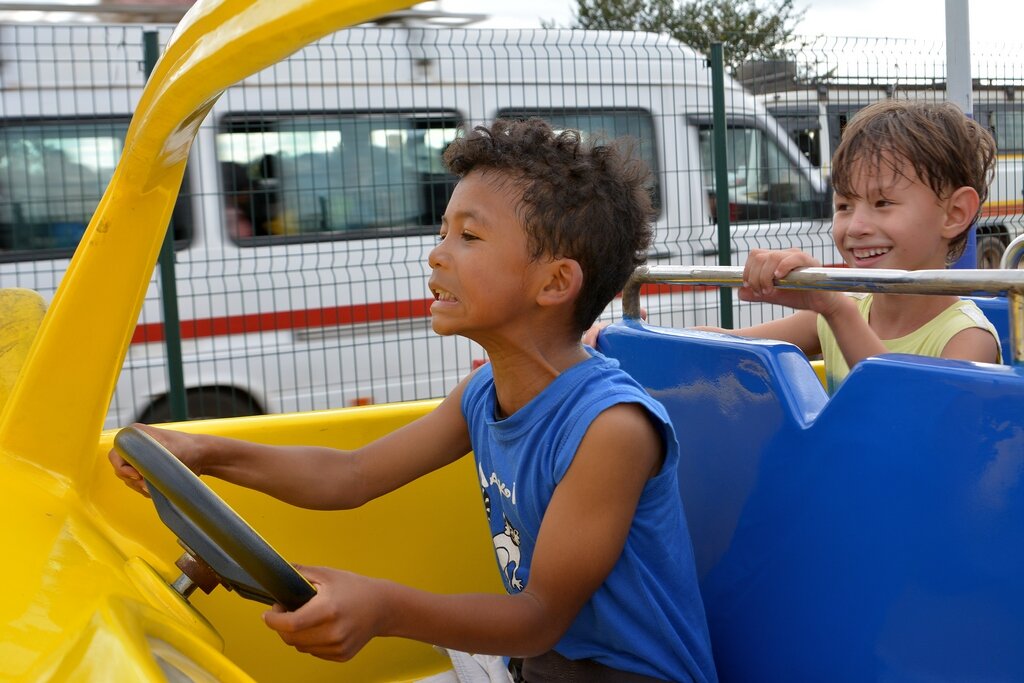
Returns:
point(506, 542)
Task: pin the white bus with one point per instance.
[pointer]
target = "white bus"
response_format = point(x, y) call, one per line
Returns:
point(314, 191)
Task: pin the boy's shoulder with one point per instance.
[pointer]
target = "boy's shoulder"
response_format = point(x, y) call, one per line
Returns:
point(584, 389)
point(598, 385)
point(601, 382)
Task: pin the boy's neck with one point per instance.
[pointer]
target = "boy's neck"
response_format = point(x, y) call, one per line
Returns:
point(523, 372)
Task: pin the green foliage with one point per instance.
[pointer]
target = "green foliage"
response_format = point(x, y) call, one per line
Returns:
point(748, 28)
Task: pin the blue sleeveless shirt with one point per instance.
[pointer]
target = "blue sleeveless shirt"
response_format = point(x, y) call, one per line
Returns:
point(647, 617)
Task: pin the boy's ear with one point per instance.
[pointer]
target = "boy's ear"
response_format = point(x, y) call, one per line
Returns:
point(564, 280)
point(961, 208)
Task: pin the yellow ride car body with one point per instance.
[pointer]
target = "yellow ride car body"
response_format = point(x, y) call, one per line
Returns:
point(87, 594)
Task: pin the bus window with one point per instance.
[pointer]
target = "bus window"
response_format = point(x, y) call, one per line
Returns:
point(804, 126)
point(334, 174)
point(1007, 126)
point(52, 176)
point(809, 141)
point(764, 183)
point(604, 124)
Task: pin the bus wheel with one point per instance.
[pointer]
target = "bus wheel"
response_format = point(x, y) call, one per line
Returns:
point(990, 250)
point(205, 403)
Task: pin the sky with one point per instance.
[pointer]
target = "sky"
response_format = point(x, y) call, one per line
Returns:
point(989, 20)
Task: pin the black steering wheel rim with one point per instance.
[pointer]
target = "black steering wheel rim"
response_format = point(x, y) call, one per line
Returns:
point(210, 529)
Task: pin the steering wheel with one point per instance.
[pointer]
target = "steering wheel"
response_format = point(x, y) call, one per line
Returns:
point(220, 547)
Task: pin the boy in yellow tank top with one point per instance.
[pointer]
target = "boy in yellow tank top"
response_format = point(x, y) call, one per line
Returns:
point(909, 180)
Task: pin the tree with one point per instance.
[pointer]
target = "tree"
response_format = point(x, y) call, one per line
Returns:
point(748, 28)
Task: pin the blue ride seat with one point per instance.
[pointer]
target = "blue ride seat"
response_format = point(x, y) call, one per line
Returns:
point(874, 536)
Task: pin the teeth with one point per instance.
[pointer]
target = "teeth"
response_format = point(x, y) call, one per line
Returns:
point(872, 251)
point(441, 295)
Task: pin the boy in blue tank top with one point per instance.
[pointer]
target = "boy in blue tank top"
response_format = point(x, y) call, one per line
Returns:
point(577, 464)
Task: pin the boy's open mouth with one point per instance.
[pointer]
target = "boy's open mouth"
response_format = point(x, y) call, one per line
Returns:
point(441, 295)
point(870, 252)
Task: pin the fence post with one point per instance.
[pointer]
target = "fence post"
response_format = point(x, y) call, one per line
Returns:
point(721, 176)
point(168, 283)
point(959, 90)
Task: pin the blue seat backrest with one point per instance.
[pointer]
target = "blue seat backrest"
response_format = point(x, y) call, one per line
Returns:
point(876, 536)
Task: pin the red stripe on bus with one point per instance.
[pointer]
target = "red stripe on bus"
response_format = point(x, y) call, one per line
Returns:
point(320, 317)
point(1002, 208)
point(288, 320)
point(655, 289)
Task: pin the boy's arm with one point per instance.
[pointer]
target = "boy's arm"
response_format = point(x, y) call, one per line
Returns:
point(800, 329)
point(853, 334)
point(580, 540)
point(319, 477)
point(760, 271)
point(857, 340)
point(974, 344)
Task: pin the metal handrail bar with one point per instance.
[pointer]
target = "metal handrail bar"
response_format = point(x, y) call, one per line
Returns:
point(955, 282)
point(1014, 253)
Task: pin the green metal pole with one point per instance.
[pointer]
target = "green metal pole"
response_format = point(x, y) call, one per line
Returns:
point(721, 177)
point(168, 282)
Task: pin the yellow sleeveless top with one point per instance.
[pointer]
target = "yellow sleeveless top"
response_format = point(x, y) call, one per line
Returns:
point(928, 340)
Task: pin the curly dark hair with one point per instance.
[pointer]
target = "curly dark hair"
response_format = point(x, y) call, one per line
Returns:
point(946, 149)
point(579, 200)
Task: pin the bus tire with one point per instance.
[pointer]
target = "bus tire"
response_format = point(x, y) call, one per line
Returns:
point(204, 403)
point(990, 250)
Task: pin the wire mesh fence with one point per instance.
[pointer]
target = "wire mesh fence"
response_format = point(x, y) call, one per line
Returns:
point(314, 190)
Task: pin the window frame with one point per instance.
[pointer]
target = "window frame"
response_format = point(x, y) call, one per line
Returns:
point(654, 163)
point(820, 201)
point(262, 121)
point(983, 112)
point(182, 218)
